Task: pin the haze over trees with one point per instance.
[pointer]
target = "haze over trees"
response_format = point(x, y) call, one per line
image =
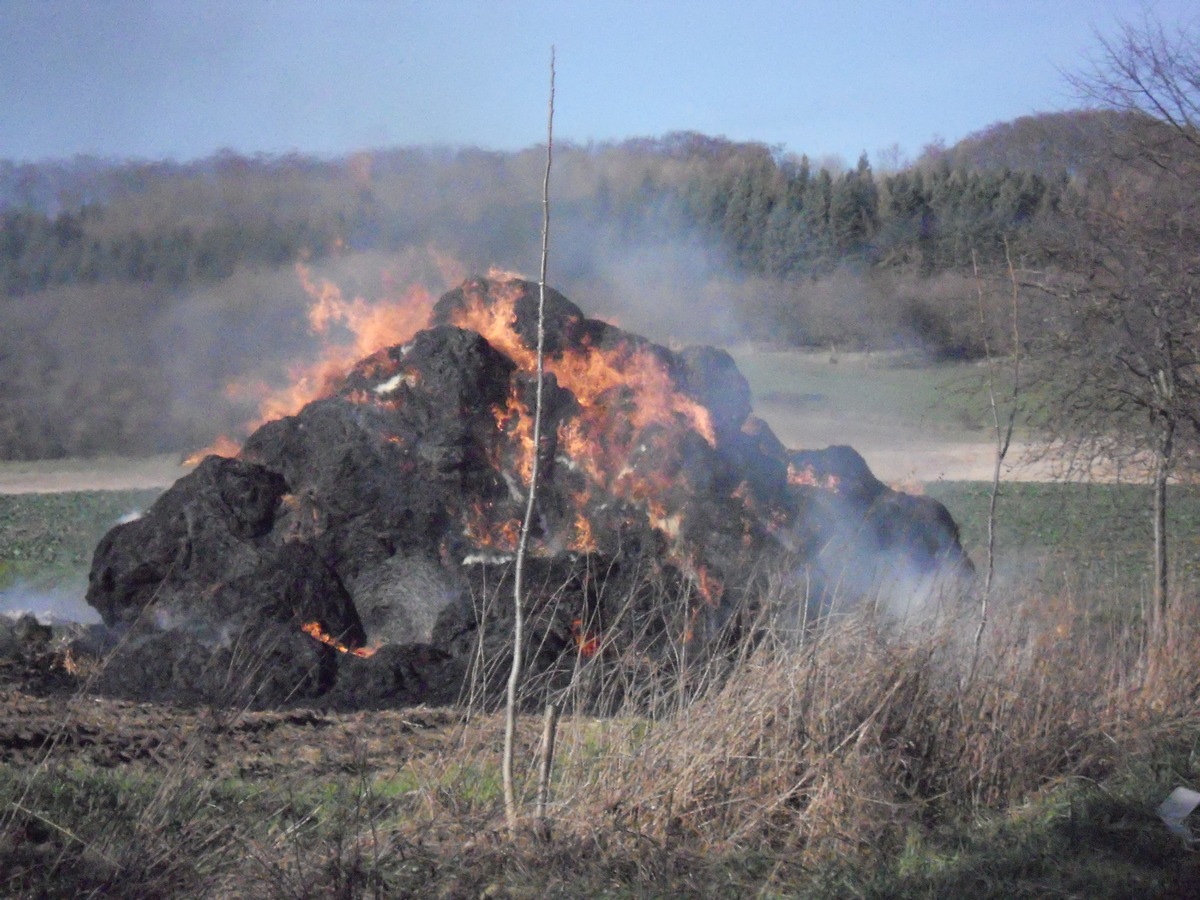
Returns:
point(132, 293)
point(766, 213)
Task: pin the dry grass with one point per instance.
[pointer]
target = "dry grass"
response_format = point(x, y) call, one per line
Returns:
point(842, 742)
point(859, 758)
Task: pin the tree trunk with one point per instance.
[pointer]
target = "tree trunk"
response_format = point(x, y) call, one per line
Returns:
point(1162, 471)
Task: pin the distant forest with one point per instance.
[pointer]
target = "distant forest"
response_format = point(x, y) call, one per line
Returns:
point(774, 214)
point(132, 292)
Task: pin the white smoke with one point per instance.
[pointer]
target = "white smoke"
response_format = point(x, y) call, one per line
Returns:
point(51, 605)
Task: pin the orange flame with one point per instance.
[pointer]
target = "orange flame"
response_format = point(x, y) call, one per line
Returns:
point(711, 587)
point(485, 534)
point(583, 541)
point(314, 630)
point(804, 476)
point(621, 390)
point(591, 373)
point(371, 327)
point(516, 421)
point(222, 446)
point(349, 330)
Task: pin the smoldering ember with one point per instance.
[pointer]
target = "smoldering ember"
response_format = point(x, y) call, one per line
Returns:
point(360, 553)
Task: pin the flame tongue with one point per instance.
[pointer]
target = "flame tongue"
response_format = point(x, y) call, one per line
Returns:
point(314, 630)
point(806, 476)
point(598, 377)
point(347, 330)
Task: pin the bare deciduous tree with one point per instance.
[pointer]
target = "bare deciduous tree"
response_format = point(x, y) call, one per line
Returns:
point(1152, 74)
point(1124, 352)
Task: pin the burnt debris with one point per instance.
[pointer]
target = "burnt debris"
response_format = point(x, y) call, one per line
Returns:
point(359, 553)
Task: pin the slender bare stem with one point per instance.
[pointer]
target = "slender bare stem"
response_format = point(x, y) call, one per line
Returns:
point(514, 677)
point(1003, 434)
point(549, 731)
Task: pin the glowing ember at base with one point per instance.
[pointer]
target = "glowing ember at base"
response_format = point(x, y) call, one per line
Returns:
point(587, 643)
point(583, 541)
point(315, 631)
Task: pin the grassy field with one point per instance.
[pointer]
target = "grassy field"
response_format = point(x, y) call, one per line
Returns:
point(1076, 536)
point(46, 540)
point(949, 398)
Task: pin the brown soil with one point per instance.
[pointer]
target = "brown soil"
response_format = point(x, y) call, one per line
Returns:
point(47, 714)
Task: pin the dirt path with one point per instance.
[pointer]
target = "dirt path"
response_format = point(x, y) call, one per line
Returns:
point(914, 460)
point(895, 455)
point(929, 462)
point(900, 454)
point(48, 714)
point(100, 474)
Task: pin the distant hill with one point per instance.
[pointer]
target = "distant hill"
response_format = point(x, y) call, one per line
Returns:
point(1047, 144)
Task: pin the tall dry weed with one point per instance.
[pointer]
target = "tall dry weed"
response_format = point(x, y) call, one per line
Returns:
point(841, 742)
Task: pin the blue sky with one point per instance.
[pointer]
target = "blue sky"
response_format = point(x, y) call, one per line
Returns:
point(184, 78)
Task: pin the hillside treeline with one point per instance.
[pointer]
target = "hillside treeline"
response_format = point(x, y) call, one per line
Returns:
point(769, 213)
point(132, 293)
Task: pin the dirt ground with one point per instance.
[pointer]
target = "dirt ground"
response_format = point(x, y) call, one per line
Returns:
point(49, 714)
point(904, 455)
point(99, 474)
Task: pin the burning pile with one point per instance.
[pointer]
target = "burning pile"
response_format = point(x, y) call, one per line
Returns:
point(360, 551)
